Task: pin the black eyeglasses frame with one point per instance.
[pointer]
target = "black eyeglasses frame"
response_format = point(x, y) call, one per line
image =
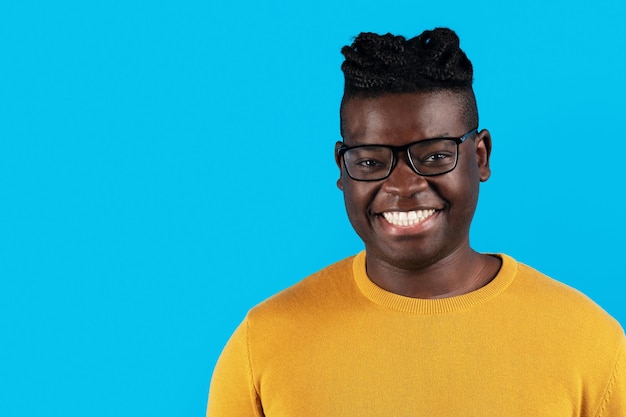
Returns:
point(404, 148)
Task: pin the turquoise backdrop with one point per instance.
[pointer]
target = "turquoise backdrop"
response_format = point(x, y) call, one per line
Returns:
point(165, 165)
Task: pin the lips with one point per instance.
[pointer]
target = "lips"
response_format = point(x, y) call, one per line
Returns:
point(407, 218)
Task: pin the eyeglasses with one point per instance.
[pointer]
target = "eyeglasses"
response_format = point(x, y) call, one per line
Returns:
point(427, 157)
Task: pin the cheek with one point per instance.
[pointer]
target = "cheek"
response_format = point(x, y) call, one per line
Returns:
point(353, 197)
point(357, 198)
point(462, 194)
point(467, 177)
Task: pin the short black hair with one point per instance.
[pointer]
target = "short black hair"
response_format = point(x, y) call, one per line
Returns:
point(377, 65)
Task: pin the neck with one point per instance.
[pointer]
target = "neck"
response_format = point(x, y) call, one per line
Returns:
point(459, 273)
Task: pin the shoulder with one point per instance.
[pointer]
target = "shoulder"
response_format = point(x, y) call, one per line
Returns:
point(328, 285)
point(560, 303)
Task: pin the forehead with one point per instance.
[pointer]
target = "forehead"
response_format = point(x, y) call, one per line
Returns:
point(402, 118)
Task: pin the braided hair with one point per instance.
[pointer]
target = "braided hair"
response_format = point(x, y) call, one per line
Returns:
point(377, 65)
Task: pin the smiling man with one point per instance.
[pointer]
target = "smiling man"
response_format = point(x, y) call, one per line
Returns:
point(411, 167)
point(419, 324)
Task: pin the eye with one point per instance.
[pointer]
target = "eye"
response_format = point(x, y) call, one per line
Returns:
point(368, 159)
point(369, 163)
point(433, 153)
point(437, 158)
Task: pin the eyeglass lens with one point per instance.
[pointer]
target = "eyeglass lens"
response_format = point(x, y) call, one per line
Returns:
point(429, 157)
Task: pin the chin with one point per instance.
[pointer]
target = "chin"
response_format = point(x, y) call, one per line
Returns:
point(409, 259)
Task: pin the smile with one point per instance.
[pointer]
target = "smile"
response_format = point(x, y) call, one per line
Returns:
point(407, 218)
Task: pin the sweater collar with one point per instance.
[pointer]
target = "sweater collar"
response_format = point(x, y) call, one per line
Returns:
point(396, 302)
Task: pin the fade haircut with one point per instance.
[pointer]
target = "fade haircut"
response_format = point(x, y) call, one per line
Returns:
point(376, 65)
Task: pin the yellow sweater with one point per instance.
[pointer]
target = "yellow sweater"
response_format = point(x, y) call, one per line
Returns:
point(337, 345)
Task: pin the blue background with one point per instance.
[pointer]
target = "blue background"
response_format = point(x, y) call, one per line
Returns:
point(164, 166)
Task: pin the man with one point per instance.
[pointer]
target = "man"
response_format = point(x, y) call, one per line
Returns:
point(419, 324)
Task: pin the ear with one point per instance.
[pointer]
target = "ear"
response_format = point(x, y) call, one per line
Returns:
point(338, 162)
point(483, 154)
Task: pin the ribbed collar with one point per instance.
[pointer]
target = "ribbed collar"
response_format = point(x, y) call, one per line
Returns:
point(393, 301)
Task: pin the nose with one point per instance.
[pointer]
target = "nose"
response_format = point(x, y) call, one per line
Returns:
point(403, 181)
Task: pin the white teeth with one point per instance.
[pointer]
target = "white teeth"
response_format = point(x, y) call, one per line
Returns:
point(407, 218)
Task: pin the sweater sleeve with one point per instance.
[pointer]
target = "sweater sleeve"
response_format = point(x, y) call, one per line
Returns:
point(232, 392)
point(614, 404)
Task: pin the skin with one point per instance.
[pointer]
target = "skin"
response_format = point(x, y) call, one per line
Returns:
point(433, 259)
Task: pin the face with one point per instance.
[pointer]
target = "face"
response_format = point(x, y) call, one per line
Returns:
point(408, 221)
